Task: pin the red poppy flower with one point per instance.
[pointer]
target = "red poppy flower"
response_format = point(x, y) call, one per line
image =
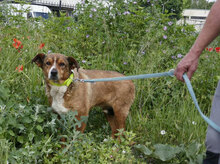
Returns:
point(217, 49)
point(19, 68)
point(210, 49)
point(41, 46)
point(17, 44)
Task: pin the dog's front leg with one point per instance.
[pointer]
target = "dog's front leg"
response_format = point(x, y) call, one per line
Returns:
point(83, 124)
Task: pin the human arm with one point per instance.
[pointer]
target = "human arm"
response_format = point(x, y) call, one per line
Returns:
point(209, 32)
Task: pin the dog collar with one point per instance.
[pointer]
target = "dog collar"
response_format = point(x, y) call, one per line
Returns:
point(67, 82)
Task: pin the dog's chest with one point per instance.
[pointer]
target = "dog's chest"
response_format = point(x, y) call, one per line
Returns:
point(57, 94)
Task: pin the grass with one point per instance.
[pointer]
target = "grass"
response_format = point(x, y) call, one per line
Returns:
point(130, 44)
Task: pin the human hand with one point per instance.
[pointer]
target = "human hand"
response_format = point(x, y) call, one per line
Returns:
point(188, 64)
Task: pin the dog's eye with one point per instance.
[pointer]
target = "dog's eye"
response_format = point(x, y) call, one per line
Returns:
point(48, 63)
point(61, 64)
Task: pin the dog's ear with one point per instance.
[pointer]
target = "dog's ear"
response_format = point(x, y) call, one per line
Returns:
point(73, 63)
point(39, 59)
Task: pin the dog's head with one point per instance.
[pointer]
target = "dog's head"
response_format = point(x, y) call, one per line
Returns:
point(56, 67)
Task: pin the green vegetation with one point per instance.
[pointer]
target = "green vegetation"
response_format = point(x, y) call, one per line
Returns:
point(197, 4)
point(163, 125)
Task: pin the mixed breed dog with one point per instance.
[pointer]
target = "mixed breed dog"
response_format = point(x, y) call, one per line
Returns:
point(65, 94)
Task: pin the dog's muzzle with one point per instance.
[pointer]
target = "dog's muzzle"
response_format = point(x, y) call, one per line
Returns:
point(54, 74)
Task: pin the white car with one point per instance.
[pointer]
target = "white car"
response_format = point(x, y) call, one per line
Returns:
point(27, 11)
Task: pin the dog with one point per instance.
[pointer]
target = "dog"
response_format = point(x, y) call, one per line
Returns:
point(65, 94)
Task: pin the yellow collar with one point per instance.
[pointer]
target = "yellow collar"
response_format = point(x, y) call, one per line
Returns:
point(67, 82)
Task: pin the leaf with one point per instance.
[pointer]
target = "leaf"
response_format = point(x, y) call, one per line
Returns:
point(84, 119)
point(27, 120)
point(20, 139)
point(20, 126)
point(143, 149)
point(12, 121)
point(4, 93)
point(31, 136)
point(39, 128)
point(11, 133)
point(193, 149)
point(166, 152)
point(199, 158)
point(2, 119)
point(40, 120)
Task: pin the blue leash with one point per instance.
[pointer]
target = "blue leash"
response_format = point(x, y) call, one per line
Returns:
point(190, 88)
point(144, 76)
point(163, 74)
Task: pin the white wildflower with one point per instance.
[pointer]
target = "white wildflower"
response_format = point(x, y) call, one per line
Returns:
point(194, 123)
point(2, 107)
point(21, 106)
point(162, 132)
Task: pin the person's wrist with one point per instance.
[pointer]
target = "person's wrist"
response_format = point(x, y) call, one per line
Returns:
point(196, 51)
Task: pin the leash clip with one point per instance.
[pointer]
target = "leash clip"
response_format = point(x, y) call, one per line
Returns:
point(80, 80)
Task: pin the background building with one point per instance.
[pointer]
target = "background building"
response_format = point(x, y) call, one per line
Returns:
point(194, 17)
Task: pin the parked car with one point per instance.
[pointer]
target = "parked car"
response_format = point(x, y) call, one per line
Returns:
point(27, 11)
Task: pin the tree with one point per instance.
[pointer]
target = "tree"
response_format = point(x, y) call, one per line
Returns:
point(166, 6)
point(197, 4)
point(172, 6)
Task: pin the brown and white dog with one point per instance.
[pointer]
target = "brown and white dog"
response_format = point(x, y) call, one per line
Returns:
point(115, 98)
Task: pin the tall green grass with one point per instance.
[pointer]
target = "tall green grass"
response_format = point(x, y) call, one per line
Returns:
point(143, 41)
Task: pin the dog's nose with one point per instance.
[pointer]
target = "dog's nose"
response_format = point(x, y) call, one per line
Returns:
point(54, 72)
